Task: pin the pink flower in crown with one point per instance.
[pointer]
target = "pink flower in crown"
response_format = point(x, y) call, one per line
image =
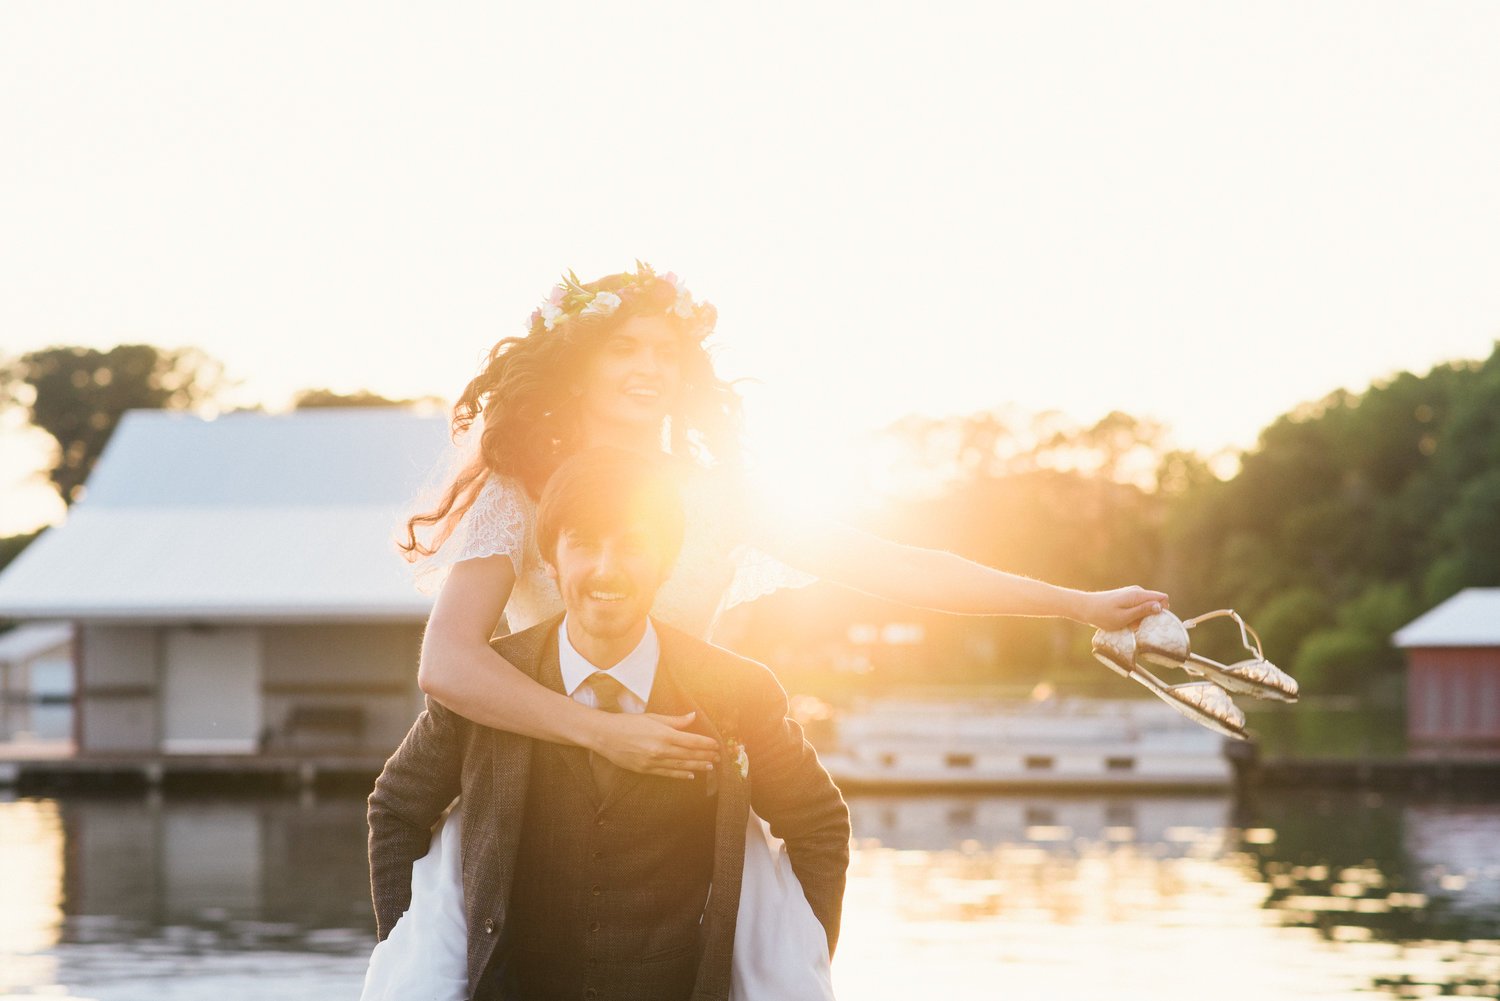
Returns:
point(551, 310)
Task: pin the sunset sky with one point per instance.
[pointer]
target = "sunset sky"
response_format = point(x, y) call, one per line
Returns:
point(1202, 213)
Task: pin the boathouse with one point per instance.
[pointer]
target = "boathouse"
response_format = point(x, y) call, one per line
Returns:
point(1453, 675)
point(234, 586)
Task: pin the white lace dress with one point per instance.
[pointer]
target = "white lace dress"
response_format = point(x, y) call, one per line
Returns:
point(780, 950)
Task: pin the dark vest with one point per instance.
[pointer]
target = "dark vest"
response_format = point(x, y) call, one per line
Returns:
point(608, 897)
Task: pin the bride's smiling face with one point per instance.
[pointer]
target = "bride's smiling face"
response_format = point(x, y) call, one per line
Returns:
point(632, 379)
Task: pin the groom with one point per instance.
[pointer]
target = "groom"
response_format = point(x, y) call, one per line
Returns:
point(581, 880)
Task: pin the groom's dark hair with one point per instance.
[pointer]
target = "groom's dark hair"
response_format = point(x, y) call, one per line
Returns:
point(605, 490)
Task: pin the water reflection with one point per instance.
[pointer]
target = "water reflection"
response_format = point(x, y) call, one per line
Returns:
point(1288, 896)
point(244, 870)
point(939, 822)
point(1295, 896)
point(183, 899)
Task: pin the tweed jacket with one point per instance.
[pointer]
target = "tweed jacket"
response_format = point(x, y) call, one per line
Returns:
point(737, 701)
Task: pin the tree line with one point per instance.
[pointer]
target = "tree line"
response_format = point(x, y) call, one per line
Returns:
point(1349, 517)
point(78, 395)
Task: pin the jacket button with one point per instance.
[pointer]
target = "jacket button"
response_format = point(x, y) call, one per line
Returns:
point(590, 993)
point(489, 926)
point(593, 926)
point(597, 889)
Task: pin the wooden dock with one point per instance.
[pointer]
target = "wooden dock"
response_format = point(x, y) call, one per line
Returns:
point(30, 772)
point(1408, 774)
point(33, 770)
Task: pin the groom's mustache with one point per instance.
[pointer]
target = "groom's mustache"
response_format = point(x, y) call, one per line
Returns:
point(612, 586)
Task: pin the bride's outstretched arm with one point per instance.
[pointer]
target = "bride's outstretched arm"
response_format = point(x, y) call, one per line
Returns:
point(462, 671)
point(931, 578)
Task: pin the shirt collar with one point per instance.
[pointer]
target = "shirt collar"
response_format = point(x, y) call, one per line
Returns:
point(636, 670)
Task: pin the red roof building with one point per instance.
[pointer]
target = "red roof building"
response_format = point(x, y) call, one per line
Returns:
point(1453, 675)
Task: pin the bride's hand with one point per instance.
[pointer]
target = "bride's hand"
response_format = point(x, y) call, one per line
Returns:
point(654, 744)
point(1120, 608)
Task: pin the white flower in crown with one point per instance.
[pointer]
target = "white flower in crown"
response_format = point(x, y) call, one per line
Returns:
point(602, 304)
point(683, 307)
point(549, 314)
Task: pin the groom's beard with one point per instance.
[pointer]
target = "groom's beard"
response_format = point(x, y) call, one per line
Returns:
point(611, 607)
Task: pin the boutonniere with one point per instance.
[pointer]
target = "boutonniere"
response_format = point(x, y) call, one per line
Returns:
point(735, 752)
point(734, 756)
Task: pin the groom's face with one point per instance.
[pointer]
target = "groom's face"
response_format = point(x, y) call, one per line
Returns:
point(608, 582)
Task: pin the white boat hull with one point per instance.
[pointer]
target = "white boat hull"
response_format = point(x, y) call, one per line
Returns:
point(1056, 745)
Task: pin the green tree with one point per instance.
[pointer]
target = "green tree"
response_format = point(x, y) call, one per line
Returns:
point(12, 545)
point(1350, 517)
point(1040, 497)
point(78, 394)
point(1336, 660)
point(309, 398)
point(1290, 617)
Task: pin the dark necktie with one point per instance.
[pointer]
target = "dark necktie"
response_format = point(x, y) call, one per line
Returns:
point(607, 692)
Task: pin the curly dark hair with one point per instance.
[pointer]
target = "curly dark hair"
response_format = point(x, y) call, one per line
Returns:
point(530, 424)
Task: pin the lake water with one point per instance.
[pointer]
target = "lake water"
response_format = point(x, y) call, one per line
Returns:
point(1291, 896)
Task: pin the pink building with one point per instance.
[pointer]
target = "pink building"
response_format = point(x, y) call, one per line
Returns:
point(1453, 675)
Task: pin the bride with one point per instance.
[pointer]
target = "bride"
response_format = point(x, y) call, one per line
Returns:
point(621, 361)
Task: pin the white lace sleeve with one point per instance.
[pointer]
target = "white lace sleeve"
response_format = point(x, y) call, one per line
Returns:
point(498, 522)
point(757, 574)
point(761, 531)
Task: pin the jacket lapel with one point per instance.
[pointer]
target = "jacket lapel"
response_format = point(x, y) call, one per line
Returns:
point(691, 675)
point(492, 828)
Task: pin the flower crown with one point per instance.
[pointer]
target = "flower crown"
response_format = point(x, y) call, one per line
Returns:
point(572, 299)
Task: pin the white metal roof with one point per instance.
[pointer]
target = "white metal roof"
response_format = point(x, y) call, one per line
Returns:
point(246, 516)
point(33, 638)
point(1469, 618)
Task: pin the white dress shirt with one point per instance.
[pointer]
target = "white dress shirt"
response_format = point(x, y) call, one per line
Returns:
point(636, 671)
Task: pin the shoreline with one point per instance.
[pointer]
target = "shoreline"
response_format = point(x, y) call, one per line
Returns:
point(35, 772)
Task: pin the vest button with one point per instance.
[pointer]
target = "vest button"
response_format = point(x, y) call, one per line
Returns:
point(598, 854)
point(593, 926)
point(489, 926)
point(590, 993)
point(597, 889)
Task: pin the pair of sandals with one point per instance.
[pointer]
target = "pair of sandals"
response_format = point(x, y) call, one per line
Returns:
point(1161, 640)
